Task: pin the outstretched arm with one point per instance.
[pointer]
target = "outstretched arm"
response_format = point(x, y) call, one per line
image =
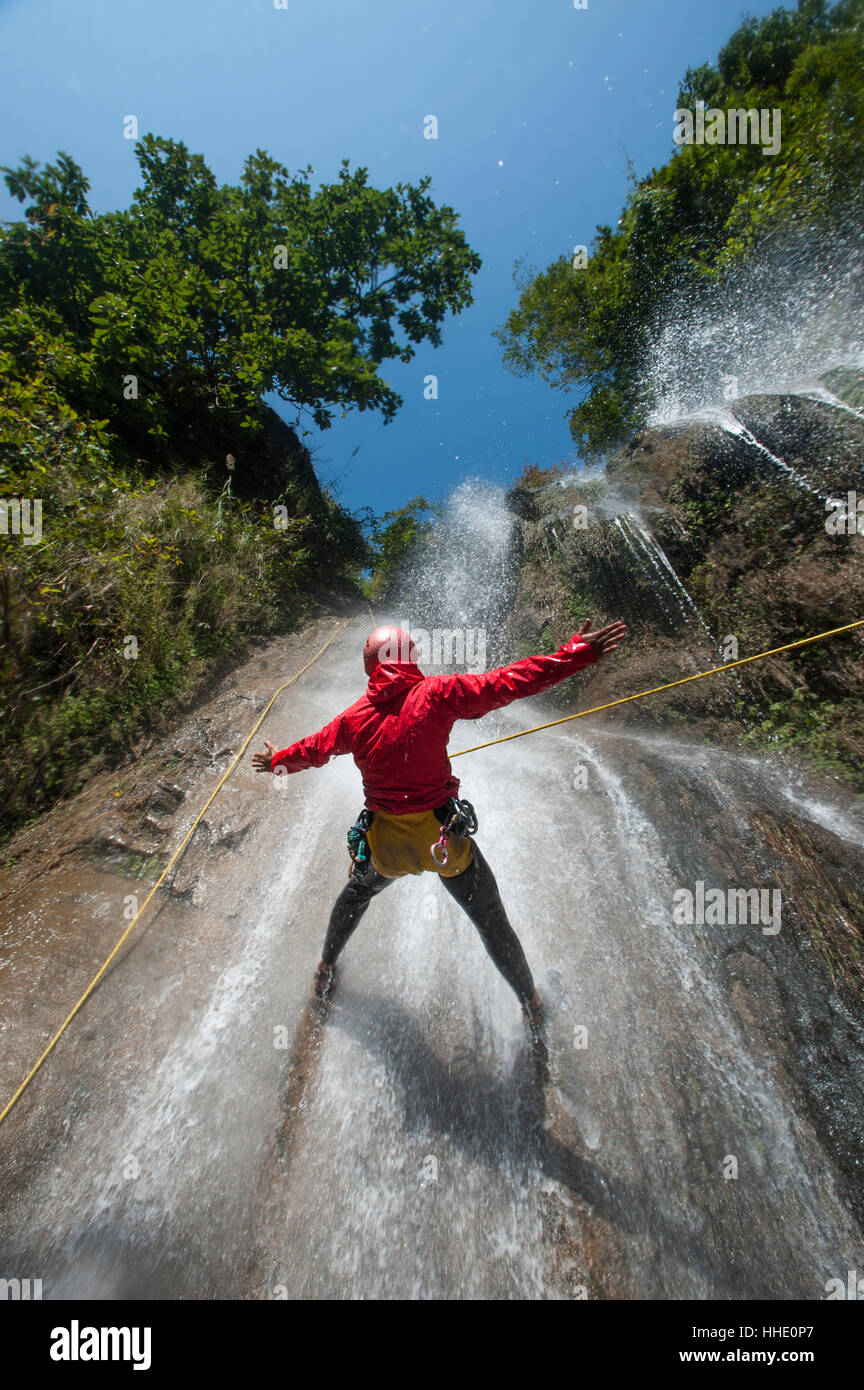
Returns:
point(470, 696)
point(313, 751)
point(263, 762)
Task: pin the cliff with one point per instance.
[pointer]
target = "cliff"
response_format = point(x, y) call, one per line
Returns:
point(716, 538)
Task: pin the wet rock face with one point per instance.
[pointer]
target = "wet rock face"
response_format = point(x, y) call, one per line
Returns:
point(279, 463)
point(826, 441)
point(797, 993)
point(710, 539)
point(165, 798)
point(275, 463)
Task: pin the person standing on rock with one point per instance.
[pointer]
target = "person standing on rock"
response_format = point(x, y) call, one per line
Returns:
point(413, 822)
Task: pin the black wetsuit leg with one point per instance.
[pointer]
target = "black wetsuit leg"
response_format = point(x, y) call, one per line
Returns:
point(349, 908)
point(477, 892)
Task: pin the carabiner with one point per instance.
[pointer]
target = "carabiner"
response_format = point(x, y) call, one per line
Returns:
point(440, 844)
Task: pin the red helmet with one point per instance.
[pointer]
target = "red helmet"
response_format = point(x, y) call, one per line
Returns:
point(392, 645)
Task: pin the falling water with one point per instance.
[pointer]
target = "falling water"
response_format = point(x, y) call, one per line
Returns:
point(424, 1152)
point(463, 578)
point(821, 393)
point(666, 572)
point(788, 317)
point(640, 557)
point(412, 1146)
point(728, 421)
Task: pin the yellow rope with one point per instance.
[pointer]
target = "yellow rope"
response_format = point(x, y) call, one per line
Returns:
point(171, 862)
point(658, 688)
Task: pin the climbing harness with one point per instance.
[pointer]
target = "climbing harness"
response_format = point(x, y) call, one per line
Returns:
point(457, 818)
point(358, 844)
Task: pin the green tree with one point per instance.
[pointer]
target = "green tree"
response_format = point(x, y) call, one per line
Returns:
point(185, 513)
point(394, 538)
point(214, 296)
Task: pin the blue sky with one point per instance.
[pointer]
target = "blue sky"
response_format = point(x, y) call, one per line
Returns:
point(539, 107)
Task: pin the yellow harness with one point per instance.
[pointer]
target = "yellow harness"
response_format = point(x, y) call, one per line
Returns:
point(402, 845)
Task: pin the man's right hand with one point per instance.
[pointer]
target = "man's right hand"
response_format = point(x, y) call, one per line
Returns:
point(262, 761)
point(605, 639)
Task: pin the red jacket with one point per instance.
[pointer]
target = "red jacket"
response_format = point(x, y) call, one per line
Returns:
point(398, 731)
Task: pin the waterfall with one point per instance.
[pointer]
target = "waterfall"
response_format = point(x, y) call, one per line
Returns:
point(821, 393)
point(411, 1147)
point(640, 555)
point(787, 317)
point(464, 575)
point(663, 566)
point(728, 421)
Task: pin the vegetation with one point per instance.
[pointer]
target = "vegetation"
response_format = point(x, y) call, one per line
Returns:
point(533, 475)
point(179, 513)
point(752, 551)
point(394, 537)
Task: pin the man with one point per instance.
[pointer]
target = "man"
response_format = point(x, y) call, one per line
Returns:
point(398, 734)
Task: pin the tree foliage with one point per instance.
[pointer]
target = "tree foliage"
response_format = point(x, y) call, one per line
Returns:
point(137, 348)
point(214, 296)
point(395, 538)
